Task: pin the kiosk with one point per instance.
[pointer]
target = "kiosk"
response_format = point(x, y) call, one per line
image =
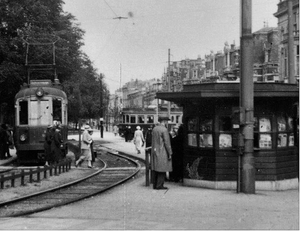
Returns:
point(211, 126)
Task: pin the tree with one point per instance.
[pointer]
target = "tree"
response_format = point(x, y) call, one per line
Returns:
point(42, 21)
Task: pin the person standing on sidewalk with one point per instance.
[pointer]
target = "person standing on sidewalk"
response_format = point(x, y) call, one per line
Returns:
point(3, 141)
point(161, 153)
point(91, 131)
point(138, 139)
point(116, 130)
point(56, 143)
point(47, 145)
point(85, 148)
point(177, 148)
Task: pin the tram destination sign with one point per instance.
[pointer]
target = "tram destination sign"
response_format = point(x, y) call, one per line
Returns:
point(40, 83)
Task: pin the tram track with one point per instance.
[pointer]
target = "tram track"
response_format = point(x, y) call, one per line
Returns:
point(117, 169)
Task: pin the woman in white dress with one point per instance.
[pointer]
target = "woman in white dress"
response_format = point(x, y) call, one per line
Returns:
point(138, 139)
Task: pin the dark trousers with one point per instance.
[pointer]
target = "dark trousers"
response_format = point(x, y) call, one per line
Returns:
point(158, 179)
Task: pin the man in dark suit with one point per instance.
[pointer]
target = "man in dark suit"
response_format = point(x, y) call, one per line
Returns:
point(161, 153)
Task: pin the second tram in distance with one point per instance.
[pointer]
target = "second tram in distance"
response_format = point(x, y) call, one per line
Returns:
point(145, 118)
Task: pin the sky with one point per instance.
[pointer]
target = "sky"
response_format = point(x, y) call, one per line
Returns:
point(136, 47)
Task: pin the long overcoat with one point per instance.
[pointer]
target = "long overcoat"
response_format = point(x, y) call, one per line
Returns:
point(161, 150)
point(55, 145)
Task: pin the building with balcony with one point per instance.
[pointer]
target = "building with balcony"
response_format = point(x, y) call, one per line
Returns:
point(283, 28)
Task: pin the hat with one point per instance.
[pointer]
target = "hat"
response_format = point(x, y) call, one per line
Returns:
point(90, 129)
point(138, 127)
point(87, 127)
point(163, 117)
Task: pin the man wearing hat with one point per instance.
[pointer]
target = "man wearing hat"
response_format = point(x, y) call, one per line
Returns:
point(85, 147)
point(47, 144)
point(161, 153)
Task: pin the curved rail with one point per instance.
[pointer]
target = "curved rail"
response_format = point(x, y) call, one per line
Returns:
point(117, 170)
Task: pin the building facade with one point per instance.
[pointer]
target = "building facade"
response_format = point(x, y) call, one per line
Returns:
point(283, 28)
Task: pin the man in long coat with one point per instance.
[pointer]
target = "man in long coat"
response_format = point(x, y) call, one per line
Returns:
point(161, 153)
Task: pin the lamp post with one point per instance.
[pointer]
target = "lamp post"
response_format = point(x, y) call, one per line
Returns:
point(101, 106)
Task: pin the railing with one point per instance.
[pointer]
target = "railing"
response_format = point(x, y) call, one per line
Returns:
point(55, 169)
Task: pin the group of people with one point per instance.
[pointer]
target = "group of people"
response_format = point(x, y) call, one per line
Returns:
point(87, 152)
point(6, 141)
point(52, 144)
point(166, 150)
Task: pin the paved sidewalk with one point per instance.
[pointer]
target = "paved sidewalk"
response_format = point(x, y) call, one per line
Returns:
point(134, 206)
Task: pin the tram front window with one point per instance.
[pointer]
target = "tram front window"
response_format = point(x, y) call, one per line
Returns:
point(40, 112)
point(23, 112)
point(57, 110)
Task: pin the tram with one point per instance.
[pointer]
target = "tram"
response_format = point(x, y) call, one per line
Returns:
point(38, 105)
point(145, 118)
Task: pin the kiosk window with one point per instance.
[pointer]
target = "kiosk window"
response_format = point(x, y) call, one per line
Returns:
point(225, 128)
point(285, 136)
point(205, 129)
point(225, 141)
point(192, 124)
point(281, 123)
point(206, 140)
point(192, 128)
point(225, 124)
point(192, 140)
point(265, 141)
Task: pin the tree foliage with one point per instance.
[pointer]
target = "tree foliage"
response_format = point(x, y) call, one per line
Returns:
point(29, 22)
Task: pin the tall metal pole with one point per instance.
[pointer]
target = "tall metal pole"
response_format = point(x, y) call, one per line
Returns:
point(247, 98)
point(291, 57)
point(169, 84)
point(101, 106)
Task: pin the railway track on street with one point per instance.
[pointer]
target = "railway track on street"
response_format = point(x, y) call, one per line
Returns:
point(117, 169)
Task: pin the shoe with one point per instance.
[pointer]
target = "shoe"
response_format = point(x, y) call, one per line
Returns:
point(90, 166)
point(162, 188)
point(76, 165)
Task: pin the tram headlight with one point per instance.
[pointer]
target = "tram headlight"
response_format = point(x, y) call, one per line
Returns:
point(23, 137)
point(39, 92)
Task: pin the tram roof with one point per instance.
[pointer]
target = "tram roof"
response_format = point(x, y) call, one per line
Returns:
point(25, 92)
point(228, 90)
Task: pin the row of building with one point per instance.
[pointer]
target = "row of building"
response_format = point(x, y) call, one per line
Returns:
point(270, 57)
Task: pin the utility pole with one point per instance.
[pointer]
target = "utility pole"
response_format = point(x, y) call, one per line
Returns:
point(291, 57)
point(246, 101)
point(169, 84)
point(101, 106)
